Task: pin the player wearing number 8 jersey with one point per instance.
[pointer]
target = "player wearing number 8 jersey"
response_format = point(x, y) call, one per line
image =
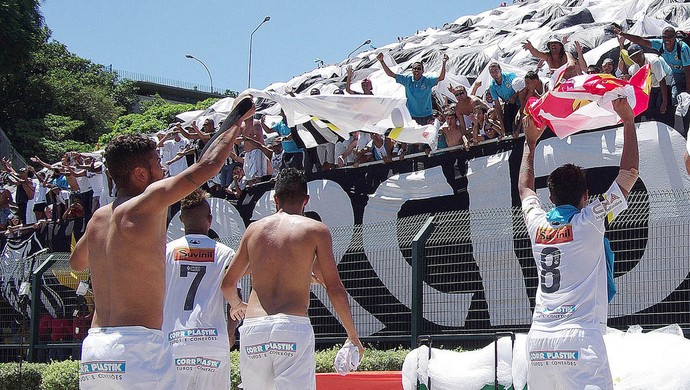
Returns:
point(194, 317)
point(565, 344)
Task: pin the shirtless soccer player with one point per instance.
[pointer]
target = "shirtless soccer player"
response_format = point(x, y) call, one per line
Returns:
point(194, 313)
point(124, 248)
point(281, 251)
point(565, 343)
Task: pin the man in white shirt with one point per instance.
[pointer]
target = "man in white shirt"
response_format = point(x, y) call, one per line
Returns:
point(194, 317)
point(170, 144)
point(660, 104)
point(565, 344)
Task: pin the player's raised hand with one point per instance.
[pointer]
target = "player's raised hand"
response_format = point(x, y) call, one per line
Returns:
point(532, 132)
point(623, 109)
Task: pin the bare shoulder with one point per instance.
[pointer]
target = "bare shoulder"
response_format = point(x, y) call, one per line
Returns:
point(102, 215)
point(314, 226)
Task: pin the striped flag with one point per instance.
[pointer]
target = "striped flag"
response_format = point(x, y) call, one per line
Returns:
point(311, 134)
point(585, 102)
point(416, 135)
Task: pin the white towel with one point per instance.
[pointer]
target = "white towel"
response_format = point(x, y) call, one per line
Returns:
point(347, 359)
point(683, 103)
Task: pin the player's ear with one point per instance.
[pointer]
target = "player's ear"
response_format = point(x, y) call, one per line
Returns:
point(585, 196)
point(140, 174)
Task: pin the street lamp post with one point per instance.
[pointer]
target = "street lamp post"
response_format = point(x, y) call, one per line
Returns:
point(368, 41)
point(251, 36)
point(205, 67)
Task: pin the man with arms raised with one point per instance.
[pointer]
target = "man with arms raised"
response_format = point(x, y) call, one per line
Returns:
point(565, 344)
point(281, 251)
point(194, 317)
point(255, 163)
point(124, 248)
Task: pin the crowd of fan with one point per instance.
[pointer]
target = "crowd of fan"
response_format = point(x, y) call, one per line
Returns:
point(32, 197)
point(460, 116)
point(77, 184)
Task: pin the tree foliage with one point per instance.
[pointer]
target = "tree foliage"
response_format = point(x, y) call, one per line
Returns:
point(53, 101)
point(21, 33)
point(156, 115)
point(52, 95)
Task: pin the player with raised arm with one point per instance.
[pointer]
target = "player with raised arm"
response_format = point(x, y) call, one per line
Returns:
point(124, 248)
point(281, 251)
point(565, 344)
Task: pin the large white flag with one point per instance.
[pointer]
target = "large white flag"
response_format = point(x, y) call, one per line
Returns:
point(344, 114)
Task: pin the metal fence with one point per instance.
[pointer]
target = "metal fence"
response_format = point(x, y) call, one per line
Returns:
point(9, 152)
point(445, 275)
point(134, 76)
point(474, 273)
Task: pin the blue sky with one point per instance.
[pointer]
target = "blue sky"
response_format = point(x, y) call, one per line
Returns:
point(152, 36)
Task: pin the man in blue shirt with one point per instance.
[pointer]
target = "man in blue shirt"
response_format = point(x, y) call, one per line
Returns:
point(677, 56)
point(502, 87)
point(293, 156)
point(417, 89)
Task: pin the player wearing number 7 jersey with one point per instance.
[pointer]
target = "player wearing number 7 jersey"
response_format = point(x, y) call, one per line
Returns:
point(124, 249)
point(565, 344)
point(193, 314)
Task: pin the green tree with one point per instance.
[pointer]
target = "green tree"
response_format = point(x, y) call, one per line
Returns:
point(21, 33)
point(156, 115)
point(58, 84)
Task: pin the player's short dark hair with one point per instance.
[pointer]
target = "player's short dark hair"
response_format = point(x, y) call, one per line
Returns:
point(566, 184)
point(532, 75)
point(291, 186)
point(197, 198)
point(126, 152)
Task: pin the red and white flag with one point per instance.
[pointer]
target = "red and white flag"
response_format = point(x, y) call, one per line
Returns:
point(585, 102)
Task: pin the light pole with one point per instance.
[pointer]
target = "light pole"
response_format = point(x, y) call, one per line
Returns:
point(368, 41)
point(251, 36)
point(205, 67)
point(319, 62)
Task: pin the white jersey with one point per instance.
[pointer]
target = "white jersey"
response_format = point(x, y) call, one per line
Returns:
point(571, 263)
point(660, 69)
point(169, 150)
point(194, 310)
point(84, 183)
point(96, 179)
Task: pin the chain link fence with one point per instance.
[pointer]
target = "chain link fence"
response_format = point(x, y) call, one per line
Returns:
point(476, 276)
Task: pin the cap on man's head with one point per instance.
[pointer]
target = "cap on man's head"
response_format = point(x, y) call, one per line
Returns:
point(553, 39)
point(607, 60)
point(634, 49)
point(518, 84)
